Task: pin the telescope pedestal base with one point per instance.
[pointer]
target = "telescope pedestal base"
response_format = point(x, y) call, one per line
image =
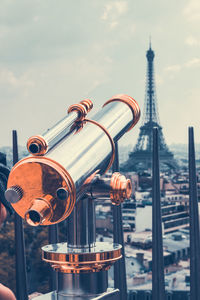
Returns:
point(86, 285)
point(111, 294)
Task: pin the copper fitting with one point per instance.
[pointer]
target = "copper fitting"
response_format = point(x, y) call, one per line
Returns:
point(81, 108)
point(37, 145)
point(133, 105)
point(117, 187)
point(76, 260)
point(40, 211)
point(43, 184)
point(120, 188)
point(88, 104)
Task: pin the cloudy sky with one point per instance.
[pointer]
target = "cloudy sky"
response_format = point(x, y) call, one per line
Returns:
point(55, 53)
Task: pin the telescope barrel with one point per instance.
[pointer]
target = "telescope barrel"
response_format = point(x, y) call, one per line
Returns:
point(90, 150)
point(40, 144)
point(46, 187)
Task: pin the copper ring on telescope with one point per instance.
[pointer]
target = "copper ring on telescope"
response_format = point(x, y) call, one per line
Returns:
point(81, 108)
point(133, 105)
point(74, 260)
point(88, 104)
point(110, 139)
point(37, 145)
point(120, 188)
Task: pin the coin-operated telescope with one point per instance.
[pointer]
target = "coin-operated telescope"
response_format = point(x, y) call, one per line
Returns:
point(62, 179)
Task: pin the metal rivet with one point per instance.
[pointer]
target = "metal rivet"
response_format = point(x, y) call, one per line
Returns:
point(62, 193)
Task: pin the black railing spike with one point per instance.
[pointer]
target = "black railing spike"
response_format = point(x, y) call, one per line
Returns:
point(119, 266)
point(158, 283)
point(194, 223)
point(21, 277)
point(53, 239)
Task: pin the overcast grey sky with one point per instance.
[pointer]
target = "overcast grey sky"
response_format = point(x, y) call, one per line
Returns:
point(55, 53)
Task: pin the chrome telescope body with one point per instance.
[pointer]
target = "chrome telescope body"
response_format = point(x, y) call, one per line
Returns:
point(63, 181)
point(44, 189)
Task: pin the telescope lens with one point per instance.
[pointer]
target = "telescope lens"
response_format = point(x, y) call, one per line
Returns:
point(62, 193)
point(34, 148)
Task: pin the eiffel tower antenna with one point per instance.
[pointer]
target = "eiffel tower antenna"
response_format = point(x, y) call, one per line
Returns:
point(140, 157)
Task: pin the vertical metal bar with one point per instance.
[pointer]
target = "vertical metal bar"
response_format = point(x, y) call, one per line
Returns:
point(53, 234)
point(158, 283)
point(194, 223)
point(81, 230)
point(21, 278)
point(119, 266)
point(53, 239)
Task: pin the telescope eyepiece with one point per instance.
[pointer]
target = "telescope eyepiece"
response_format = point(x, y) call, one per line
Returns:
point(38, 212)
point(34, 148)
point(37, 145)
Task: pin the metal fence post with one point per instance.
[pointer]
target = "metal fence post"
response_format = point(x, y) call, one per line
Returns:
point(158, 283)
point(119, 266)
point(21, 277)
point(194, 223)
point(53, 239)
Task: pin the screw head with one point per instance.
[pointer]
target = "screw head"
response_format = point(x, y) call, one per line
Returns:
point(62, 193)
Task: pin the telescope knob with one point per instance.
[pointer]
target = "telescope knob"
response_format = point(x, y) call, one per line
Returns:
point(88, 104)
point(82, 108)
point(121, 188)
point(116, 187)
point(13, 194)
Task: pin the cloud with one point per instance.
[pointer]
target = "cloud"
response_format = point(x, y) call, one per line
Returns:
point(159, 79)
point(14, 86)
point(195, 62)
point(173, 68)
point(42, 31)
point(54, 54)
point(113, 11)
point(192, 41)
point(7, 77)
point(113, 24)
point(192, 63)
point(192, 11)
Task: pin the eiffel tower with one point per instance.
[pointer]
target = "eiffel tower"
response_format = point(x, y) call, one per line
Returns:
point(141, 156)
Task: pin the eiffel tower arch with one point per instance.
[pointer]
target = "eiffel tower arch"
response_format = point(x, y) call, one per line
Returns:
point(141, 156)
